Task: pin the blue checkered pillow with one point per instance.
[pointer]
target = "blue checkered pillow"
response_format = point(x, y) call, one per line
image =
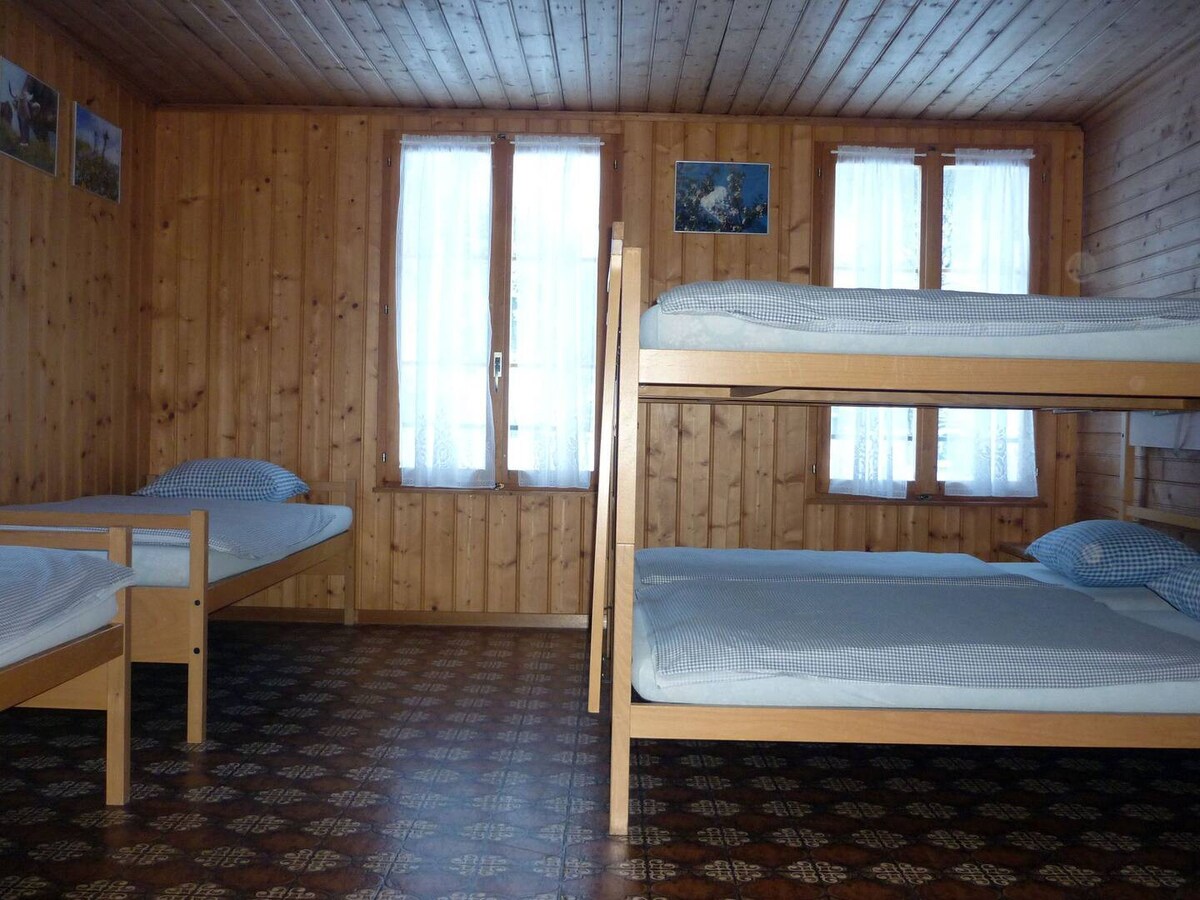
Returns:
point(226, 479)
point(1108, 553)
point(1181, 588)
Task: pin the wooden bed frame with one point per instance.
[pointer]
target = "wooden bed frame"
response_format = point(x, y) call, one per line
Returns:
point(644, 374)
point(170, 624)
point(89, 672)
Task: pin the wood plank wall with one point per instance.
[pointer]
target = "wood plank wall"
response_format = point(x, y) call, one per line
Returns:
point(265, 332)
point(74, 275)
point(1142, 239)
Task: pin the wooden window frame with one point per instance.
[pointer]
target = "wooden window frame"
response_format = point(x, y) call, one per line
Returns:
point(925, 488)
point(387, 470)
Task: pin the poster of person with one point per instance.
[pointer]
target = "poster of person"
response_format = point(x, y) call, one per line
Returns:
point(97, 165)
point(722, 198)
point(28, 118)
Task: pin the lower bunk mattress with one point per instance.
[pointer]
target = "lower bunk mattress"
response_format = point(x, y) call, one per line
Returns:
point(902, 630)
point(50, 597)
point(243, 534)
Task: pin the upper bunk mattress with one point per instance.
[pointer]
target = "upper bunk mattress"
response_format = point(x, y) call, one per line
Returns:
point(49, 597)
point(946, 631)
point(243, 534)
point(774, 317)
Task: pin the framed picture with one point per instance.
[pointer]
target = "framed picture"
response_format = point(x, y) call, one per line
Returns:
point(722, 198)
point(97, 163)
point(28, 118)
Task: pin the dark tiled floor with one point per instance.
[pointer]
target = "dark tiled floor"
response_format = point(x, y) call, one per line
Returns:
point(444, 763)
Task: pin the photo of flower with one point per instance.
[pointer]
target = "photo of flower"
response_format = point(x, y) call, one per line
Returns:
point(722, 198)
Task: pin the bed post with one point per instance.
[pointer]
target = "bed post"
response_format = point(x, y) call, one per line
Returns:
point(349, 587)
point(197, 658)
point(626, 540)
point(116, 731)
point(602, 550)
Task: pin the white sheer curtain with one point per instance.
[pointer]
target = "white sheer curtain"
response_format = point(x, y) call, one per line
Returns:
point(987, 452)
point(443, 249)
point(876, 218)
point(985, 224)
point(552, 339)
point(872, 450)
point(876, 244)
point(985, 247)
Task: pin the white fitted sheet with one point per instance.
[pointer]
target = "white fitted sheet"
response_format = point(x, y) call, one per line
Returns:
point(1141, 604)
point(689, 331)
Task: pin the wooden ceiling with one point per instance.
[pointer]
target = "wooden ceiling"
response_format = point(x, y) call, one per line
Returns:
point(943, 59)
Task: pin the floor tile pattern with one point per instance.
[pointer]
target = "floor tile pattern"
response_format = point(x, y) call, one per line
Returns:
point(380, 762)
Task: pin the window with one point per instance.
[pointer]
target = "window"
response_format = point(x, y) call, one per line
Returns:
point(957, 220)
point(490, 372)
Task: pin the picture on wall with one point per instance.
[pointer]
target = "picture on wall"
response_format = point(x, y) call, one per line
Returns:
point(722, 198)
point(97, 165)
point(28, 118)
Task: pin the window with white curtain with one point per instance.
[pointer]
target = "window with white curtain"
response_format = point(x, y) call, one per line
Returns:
point(884, 235)
point(494, 353)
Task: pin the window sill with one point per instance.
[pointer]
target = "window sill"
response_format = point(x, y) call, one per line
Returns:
point(387, 488)
point(853, 500)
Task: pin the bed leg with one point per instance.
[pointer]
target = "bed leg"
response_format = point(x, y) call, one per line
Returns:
point(116, 767)
point(197, 671)
point(350, 595)
point(622, 662)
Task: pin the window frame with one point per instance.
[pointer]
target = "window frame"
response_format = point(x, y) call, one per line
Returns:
point(932, 158)
point(387, 468)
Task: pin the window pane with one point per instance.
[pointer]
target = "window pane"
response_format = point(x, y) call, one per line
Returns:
point(987, 452)
point(985, 222)
point(552, 337)
point(872, 450)
point(444, 315)
point(876, 218)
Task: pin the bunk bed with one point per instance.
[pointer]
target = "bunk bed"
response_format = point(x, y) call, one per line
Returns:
point(69, 648)
point(647, 374)
point(180, 587)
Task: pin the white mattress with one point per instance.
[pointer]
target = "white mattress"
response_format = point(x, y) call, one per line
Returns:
point(688, 331)
point(1136, 603)
point(168, 566)
point(47, 599)
point(165, 566)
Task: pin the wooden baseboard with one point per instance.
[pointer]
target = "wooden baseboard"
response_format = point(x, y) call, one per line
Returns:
point(474, 620)
point(277, 614)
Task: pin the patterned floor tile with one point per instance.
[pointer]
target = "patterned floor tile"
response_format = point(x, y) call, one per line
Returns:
point(379, 763)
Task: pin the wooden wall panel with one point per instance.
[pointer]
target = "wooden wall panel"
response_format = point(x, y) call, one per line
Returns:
point(74, 291)
point(1141, 223)
point(268, 256)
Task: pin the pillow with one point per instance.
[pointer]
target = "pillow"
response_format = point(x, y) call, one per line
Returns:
point(226, 479)
point(1181, 588)
point(1108, 553)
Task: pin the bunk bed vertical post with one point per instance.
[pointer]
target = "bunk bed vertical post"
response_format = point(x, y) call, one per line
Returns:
point(625, 541)
point(602, 555)
point(116, 731)
point(1128, 466)
point(197, 658)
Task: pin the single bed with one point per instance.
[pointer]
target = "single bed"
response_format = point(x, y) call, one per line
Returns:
point(803, 375)
point(193, 558)
point(64, 633)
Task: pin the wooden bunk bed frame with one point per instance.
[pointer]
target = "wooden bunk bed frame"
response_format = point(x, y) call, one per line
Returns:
point(170, 624)
point(654, 374)
point(89, 672)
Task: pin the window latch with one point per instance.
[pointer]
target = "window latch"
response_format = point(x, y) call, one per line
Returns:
point(497, 369)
